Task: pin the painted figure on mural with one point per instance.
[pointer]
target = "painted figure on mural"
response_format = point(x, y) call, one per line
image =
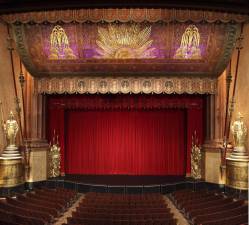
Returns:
point(239, 131)
point(11, 128)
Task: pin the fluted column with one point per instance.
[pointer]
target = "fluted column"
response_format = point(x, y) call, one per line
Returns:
point(213, 144)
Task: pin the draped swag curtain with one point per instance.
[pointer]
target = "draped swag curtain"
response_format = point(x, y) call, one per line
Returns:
point(125, 134)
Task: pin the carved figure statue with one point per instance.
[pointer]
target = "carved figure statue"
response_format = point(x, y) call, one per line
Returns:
point(54, 159)
point(239, 131)
point(10, 129)
point(196, 162)
point(195, 158)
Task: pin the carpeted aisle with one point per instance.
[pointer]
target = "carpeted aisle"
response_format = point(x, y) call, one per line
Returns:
point(180, 218)
point(68, 213)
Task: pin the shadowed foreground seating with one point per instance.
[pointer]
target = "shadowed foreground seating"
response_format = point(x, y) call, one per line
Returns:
point(210, 208)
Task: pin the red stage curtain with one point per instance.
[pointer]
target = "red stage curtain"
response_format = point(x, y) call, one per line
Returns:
point(62, 107)
point(56, 125)
point(148, 142)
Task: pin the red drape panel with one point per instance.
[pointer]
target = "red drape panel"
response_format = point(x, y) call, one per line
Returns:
point(194, 123)
point(150, 142)
point(56, 124)
point(59, 104)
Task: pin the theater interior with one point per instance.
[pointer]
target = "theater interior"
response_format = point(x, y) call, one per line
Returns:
point(124, 112)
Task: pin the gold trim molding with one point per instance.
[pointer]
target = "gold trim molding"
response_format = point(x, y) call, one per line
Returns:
point(125, 85)
point(237, 174)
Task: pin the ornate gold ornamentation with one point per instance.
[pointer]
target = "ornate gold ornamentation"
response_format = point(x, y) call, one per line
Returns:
point(125, 85)
point(237, 162)
point(196, 158)
point(54, 158)
point(10, 128)
point(11, 172)
point(239, 131)
point(189, 48)
point(125, 41)
point(237, 174)
point(11, 165)
point(59, 44)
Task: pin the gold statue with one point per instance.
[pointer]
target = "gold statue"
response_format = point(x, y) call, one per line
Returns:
point(11, 165)
point(195, 158)
point(239, 131)
point(237, 161)
point(54, 158)
point(189, 48)
point(11, 128)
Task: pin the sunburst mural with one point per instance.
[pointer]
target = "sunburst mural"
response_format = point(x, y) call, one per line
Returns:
point(125, 41)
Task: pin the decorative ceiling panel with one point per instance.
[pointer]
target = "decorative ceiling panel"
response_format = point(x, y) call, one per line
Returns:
point(196, 49)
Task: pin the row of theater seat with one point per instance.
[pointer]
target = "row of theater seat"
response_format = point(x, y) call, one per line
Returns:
point(210, 208)
point(116, 209)
point(40, 207)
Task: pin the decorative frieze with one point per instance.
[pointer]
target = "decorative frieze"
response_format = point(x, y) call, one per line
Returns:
point(114, 85)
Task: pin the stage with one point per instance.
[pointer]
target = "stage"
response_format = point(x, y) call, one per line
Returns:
point(125, 183)
point(121, 180)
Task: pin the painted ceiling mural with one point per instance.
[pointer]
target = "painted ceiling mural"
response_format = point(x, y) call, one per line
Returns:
point(125, 48)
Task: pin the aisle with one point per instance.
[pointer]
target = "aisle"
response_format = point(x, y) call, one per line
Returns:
point(68, 213)
point(180, 218)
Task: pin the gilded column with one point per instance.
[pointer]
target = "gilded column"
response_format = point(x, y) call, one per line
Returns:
point(213, 145)
point(37, 144)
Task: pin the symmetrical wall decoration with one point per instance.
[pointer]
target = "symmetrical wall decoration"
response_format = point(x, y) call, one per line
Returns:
point(127, 49)
point(126, 85)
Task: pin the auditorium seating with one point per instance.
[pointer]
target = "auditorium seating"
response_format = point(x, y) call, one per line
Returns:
point(210, 207)
point(116, 209)
point(40, 207)
point(45, 206)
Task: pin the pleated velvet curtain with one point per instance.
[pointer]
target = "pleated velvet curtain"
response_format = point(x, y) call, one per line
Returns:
point(126, 134)
point(125, 142)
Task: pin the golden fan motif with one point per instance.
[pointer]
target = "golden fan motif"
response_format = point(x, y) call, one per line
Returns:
point(189, 48)
point(59, 44)
point(125, 42)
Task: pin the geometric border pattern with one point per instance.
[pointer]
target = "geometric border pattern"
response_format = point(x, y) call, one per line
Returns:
point(125, 85)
